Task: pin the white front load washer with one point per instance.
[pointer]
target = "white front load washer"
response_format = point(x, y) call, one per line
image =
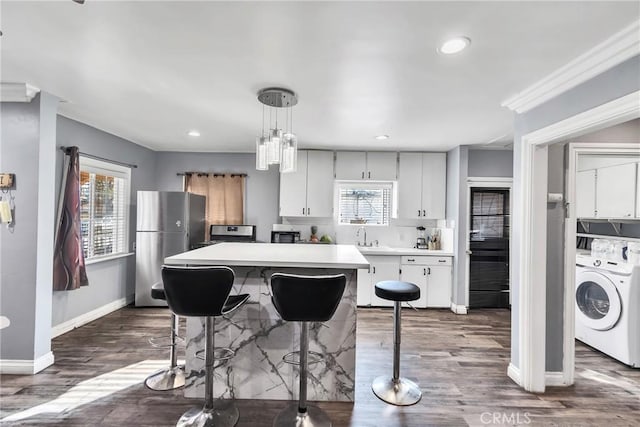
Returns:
point(607, 297)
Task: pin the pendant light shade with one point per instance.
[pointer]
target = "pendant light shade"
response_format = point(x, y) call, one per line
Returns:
point(277, 146)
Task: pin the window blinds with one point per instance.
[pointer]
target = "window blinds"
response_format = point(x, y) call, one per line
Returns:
point(365, 203)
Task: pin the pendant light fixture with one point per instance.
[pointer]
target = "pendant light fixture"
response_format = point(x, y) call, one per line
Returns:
point(277, 146)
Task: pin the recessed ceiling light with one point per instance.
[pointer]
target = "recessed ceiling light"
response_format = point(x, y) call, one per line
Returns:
point(381, 137)
point(193, 133)
point(454, 45)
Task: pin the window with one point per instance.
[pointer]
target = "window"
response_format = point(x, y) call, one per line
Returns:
point(104, 208)
point(363, 203)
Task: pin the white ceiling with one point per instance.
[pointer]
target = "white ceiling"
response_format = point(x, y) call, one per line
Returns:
point(151, 71)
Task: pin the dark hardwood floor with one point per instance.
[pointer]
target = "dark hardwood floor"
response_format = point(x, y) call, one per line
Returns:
point(459, 361)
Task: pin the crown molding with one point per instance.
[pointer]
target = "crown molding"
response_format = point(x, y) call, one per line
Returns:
point(17, 92)
point(616, 49)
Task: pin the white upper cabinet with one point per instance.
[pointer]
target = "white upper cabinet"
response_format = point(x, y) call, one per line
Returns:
point(351, 164)
point(382, 166)
point(309, 190)
point(320, 183)
point(586, 194)
point(422, 185)
point(358, 165)
point(615, 191)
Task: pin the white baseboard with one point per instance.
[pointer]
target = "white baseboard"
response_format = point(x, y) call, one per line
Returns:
point(458, 309)
point(554, 379)
point(90, 316)
point(26, 367)
point(514, 373)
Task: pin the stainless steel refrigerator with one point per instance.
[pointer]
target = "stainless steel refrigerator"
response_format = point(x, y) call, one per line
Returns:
point(168, 223)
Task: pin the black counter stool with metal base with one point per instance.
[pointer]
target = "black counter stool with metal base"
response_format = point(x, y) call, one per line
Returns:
point(305, 299)
point(172, 377)
point(396, 390)
point(204, 292)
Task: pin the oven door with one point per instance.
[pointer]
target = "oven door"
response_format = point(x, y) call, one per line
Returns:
point(598, 304)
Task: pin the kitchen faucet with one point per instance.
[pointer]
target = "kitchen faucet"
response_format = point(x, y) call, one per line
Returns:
point(364, 243)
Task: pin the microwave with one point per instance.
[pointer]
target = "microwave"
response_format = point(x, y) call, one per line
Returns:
point(285, 236)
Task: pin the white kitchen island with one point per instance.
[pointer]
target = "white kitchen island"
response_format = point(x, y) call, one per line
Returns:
point(261, 338)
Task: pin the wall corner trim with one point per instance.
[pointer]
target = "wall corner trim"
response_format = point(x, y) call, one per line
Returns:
point(458, 309)
point(555, 379)
point(89, 316)
point(623, 45)
point(514, 373)
point(26, 367)
point(17, 92)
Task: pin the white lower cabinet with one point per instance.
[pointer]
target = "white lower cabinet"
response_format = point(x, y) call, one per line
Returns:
point(432, 274)
point(380, 268)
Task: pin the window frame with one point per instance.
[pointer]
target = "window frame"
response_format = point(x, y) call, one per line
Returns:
point(392, 185)
point(102, 167)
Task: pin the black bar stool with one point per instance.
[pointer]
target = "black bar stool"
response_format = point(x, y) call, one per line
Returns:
point(204, 292)
point(397, 390)
point(305, 299)
point(172, 377)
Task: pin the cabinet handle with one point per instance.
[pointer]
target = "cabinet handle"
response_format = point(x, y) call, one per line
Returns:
point(369, 174)
point(308, 211)
point(374, 270)
point(424, 213)
point(411, 260)
point(418, 212)
point(362, 174)
point(302, 211)
point(429, 270)
point(442, 260)
point(424, 271)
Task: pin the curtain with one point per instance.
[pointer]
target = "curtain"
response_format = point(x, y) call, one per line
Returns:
point(69, 271)
point(225, 197)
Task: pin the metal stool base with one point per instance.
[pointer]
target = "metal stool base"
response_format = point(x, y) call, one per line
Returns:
point(290, 417)
point(223, 414)
point(166, 379)
point(402, 392)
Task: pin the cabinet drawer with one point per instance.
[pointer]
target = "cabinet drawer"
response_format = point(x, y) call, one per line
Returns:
point(426, 260)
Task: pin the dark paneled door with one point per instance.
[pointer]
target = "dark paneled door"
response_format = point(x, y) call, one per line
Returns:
point(489, 248)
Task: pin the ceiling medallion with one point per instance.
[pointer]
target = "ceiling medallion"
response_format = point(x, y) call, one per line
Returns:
point(277, 146)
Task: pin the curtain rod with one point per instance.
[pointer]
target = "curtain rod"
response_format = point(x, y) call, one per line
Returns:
point(211, 173)
point(91, 156)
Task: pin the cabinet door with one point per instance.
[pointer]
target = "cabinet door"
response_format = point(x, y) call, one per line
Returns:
point(638, 190)
point(434, 185)
point(586, 194)
point(438, 286)
point(383, 268)
point(416, 274)
point(382, 166)
point(410, 186)
point(365, 288)
point(293, 189)
point(320, 183)
point(351, 164)
point(615, 187)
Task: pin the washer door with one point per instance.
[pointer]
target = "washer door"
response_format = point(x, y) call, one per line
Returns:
point(597, 301)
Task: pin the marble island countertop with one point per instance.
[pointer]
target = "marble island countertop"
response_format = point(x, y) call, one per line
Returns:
point(385, 250)
point(273, 255)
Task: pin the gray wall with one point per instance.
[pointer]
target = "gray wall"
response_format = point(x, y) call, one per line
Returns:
point(262, 187)
point(111, 280)
point(457, 166)
point(26, 249)
point(490, 163)
point(612, 84)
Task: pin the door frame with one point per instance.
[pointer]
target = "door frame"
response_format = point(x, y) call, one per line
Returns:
point(575, 149)
point(486, 182)
point(532, 200)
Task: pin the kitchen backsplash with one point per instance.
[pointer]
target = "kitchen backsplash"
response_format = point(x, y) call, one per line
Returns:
point(395, 235)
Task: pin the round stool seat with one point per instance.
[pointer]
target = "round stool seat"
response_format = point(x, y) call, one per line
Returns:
point(157, 291)
point(395, 290)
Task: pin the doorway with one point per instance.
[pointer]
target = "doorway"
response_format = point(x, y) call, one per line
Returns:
point(489, 230)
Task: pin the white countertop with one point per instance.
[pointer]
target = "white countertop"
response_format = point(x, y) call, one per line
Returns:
point(384, 250)
point(273, 255)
